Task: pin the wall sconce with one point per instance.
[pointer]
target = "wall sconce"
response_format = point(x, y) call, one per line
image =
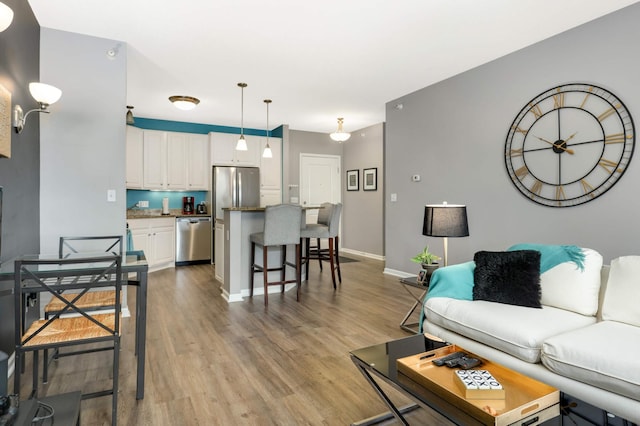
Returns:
point(44, 94)
point(6, 16)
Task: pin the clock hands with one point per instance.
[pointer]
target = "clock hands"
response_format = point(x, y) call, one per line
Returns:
point(559, 146)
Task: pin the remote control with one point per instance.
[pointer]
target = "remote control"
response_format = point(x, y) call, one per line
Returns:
point(467, 363)
point(441, 361)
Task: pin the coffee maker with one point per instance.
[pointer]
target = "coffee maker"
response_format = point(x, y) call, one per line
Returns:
point(188, 205)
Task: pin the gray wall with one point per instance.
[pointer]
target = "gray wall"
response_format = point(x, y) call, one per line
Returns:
point(453, 134)
point(19, 175)
point(363, 213)
point(83, 139)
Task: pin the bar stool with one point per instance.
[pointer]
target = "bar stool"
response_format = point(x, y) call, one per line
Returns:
point(327, 227)
point(281, 227)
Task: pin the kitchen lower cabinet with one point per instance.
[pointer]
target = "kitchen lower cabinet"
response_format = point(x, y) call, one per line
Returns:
point(218, 248)
point(156, 237)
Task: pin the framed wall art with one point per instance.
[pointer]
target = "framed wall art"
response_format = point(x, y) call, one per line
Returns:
point(353, 180)
point(5, 122)
point(370, 179)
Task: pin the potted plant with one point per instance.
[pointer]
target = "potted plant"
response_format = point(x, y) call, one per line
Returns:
point(427, 260)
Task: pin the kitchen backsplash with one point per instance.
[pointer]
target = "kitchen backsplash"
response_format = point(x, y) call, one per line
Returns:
point(154, 198)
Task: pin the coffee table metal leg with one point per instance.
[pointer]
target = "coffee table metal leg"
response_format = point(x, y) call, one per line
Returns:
point(395, 412)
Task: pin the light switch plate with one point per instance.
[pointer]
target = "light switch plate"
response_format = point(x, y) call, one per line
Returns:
point(111, 195)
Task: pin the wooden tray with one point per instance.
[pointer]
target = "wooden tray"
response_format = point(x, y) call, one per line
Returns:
point(524, 397)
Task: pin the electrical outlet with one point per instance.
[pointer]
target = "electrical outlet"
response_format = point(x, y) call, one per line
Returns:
point(394, 198)
point(143, 203)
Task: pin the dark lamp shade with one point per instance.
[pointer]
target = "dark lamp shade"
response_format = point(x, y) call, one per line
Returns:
point(445, 220)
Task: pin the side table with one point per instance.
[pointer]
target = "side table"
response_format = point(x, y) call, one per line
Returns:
point(66, 409)
point(408, 283)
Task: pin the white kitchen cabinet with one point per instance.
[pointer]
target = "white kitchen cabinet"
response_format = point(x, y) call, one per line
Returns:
point(176, 172)
point(271, 168)
point(269, 197)
point(135, 159)
point(224, 153)
point(156, 237)
point(218, 257)
point(155, 159)
point(198, 165)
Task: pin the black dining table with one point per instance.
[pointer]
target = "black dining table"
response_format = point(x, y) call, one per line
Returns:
point(133, 262)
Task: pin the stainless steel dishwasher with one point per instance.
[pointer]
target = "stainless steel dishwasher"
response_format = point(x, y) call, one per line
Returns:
point(193, 240)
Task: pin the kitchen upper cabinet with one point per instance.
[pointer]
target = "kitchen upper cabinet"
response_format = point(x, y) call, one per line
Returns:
point(171, 161)
point(135, 159)
point(198, 165)
point(176, 175)
point(224, 153)
point(156, 237)
point(154, 168)
point(271, 168)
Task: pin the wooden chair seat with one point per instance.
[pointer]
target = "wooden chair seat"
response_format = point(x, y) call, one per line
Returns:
point(64, 330)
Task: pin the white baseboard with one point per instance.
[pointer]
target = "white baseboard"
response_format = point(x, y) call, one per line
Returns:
point(396, 273)
point(362, 253)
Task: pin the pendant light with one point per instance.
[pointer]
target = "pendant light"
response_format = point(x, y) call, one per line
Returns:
point(340, 135)
point(242, 143)
point(267, 149)
point(130, 119)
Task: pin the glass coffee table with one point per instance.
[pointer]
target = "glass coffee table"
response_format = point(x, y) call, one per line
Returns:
point(527, 401)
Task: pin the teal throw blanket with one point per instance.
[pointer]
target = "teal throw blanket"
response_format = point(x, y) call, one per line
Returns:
point(456, 281)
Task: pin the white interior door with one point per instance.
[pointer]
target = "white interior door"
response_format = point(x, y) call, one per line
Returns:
point(319, 182)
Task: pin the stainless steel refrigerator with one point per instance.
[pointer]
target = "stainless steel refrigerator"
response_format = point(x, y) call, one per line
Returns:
point(234, 187)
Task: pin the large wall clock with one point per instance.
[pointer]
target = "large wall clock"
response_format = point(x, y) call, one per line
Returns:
point(569, 145)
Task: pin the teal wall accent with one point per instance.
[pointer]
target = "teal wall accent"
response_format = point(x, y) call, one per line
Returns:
point(155, 197)
point(180, 126)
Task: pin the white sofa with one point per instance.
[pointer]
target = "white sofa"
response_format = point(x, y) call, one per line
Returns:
point(585, 340)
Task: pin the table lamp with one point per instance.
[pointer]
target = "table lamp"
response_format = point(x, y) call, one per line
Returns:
point(445, 220)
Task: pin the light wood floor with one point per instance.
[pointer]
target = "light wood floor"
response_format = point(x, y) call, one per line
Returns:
point(214, 363)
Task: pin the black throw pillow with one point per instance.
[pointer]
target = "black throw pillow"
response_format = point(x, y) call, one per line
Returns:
point(511, 277)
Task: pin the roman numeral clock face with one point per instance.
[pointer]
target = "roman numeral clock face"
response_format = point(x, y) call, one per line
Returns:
point(569, 145)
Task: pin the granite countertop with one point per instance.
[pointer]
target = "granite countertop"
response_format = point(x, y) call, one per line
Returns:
point(157, 213)
point(244, 209)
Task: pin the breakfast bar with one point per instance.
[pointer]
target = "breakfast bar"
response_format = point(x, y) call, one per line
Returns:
point(240, 223)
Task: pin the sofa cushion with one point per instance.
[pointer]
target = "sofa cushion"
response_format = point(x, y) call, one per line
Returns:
point(511, 277)
point(592, 355)
point(516, 330)
point(620, 301)
point(566, 286)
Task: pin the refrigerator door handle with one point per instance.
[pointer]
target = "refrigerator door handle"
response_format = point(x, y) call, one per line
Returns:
point(234, 190)
point(239, 188)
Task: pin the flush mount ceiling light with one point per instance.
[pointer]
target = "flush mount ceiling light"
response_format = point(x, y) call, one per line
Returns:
point(267, 149)
point(44, 94)
point(242, 143)
point(130, 119)
point(6, 16)
point(340, 135)
point(184, 103)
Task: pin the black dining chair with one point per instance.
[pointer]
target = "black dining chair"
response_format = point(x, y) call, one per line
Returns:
point(73, 325)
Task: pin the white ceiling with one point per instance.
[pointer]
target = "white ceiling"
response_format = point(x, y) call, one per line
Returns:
point(317, 60)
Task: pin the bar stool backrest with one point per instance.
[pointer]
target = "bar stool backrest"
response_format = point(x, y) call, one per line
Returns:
point(282, 224)
point(334, 222)
point(324, 215)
